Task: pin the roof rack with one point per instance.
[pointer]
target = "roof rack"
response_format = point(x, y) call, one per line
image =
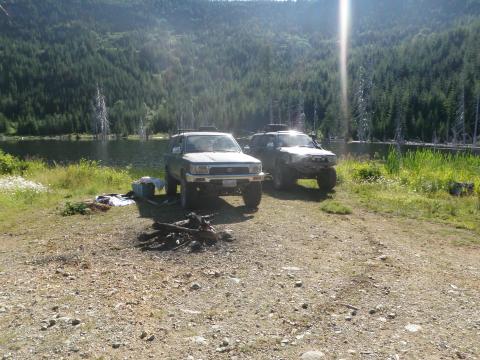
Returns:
point(276, 127)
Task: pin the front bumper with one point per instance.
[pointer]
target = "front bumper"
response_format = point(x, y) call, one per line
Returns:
point(191, 178)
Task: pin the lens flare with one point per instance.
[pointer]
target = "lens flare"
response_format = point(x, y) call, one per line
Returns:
point(344, 20)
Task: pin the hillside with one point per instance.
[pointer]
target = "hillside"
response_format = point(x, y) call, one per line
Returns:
point(229, 63)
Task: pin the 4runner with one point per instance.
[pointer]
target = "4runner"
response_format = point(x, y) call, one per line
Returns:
point(211, 162)
point(292, 155)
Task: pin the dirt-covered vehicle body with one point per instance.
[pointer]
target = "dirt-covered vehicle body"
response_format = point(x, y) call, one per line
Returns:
point(211, 163)
point(291, 155)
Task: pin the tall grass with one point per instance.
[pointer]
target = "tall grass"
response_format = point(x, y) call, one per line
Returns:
point(417, 184)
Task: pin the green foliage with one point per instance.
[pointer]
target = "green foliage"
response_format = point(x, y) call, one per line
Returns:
point(420, 186)
point(224, 62)
point(393, 162)
point(335, 207)
point(11, 165)
point(367, 172)
point(74, 209)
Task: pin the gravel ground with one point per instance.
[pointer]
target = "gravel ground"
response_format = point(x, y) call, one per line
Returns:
point(295, 283)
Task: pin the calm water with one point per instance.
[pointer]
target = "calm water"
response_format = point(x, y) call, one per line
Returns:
point(140, 153)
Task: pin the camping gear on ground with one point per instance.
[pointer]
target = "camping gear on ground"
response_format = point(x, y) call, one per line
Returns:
point(145, 187)
point(115, 199)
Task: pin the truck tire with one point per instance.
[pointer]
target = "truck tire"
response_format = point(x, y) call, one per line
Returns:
point(282, 180)
point(327, 179)
point(170, 184)
point(252, 195)
point(188, 195)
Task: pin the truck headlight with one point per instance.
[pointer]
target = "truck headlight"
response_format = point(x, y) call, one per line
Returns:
point(199, 169)
point(255, 168)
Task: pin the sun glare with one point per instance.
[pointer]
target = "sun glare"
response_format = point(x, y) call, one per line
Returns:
point(344, 19)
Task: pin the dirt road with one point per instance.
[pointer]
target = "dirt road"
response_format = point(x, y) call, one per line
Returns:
point(295, 280)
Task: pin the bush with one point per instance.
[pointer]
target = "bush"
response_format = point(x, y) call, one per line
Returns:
point(10, 164)
point(74, 209)
point(367, 172)
point(393, 162)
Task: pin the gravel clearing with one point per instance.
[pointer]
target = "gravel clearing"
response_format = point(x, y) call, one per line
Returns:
point(18, 183)
point(309, 285)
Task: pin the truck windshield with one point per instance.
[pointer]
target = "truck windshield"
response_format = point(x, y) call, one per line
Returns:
point(211, 143)
point(291, 140)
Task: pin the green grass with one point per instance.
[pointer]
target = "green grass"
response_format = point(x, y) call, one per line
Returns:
point(417, 185)
point(335, 207)
point(71, 183)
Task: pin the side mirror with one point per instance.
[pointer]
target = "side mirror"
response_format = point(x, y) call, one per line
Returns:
point(177, 150)
point(270, 146)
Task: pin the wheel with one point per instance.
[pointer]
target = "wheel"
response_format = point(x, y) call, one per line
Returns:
point(252, 195)
point(170, 184)
point(282, 180)
point(327, 179)
point(188, 195)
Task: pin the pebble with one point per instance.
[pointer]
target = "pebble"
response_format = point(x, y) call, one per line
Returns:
point(195, 286)
point(383, 257)
point(298, 283)
point(304, 306)
point(199, 340)
point(312, 355)
point(413, 328)
point(76, 322)
point(151, 338)
point(372, 311)
point(222, 349)
point(143, 335)
point(226, 342)
point(116, 345)
point(391, 315)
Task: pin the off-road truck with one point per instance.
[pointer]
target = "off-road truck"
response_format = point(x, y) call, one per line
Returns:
point(211, 163)
point(290, 155)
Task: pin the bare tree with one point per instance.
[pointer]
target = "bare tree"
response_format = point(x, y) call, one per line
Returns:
point(459, 125)
point(101, 125)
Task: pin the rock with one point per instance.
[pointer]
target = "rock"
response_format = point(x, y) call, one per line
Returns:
point(116, 345)
point(304, 306)
point(199, 340)
point(291, 268)
point(391, 316)
point(44, 327)
point(52, 322)
point(76, 322)
point(348, 318)
point(383, 257)
point(195, 286)
point(151, 338)
point(195, 246)
point(222, 349)
point(298, 283)
point(413, 328)
point(372, 311)
point(227, 235)
point(55, 308)
point(226, 341)
point(312, 355)
point(143, 335)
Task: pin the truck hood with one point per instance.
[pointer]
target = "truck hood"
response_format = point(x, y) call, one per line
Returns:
point(298, 150)
point(220, 157)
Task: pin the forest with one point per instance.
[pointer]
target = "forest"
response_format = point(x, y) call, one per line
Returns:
point(414, 66)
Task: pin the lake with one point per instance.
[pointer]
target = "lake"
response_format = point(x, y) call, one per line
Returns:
point(145, 153)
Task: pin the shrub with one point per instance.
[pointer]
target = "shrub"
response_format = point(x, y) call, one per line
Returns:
point(367, 172)
point(393, 162)
point(10, 164)
point(75, 208)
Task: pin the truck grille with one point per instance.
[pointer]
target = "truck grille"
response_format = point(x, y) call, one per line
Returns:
point(228, 170)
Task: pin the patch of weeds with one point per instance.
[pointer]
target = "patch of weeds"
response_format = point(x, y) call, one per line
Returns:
point(334, 207)
point(74, 209)
point(367, 172)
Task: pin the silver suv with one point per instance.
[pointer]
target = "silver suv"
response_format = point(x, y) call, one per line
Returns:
point(212, 163)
